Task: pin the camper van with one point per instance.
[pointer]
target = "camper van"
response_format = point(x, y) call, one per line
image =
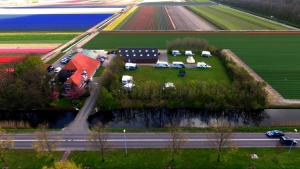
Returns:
point(188, 53)
point(160, 64)
point(176, 52)
point(127, 79)
point(177, 65)
point(206, 54)
point(130, 66)
point(203, 65)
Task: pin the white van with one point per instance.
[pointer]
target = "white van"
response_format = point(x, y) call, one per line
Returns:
point(160, 64)
point(127, 79)
point(189, 53)
point(177, 65)
point(203, 65)
point(206, 53)
point(130, 66)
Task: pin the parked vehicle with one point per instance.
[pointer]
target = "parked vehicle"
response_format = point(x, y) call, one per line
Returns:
point(128, 86)
point(169, 85)
point(127, 79)
point(58, 69)
point(177, 65)
point(50, 68)
point(206, 54)
point(188, 53)
point(65, 60)
point(203, 65)
point(285, 140)
point(160, 64)
point(274, 133)
point(130, 66)
point(176, 52)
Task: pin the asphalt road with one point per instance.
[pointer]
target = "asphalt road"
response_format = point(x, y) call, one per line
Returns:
point(148, 140)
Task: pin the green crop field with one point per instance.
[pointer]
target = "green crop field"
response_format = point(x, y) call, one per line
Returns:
point(275, 57)
point(35, 38)
point(231, 19)
point(216, 74)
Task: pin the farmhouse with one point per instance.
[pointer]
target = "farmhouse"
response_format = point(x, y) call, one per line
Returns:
point(81, 70)
point(139, 55)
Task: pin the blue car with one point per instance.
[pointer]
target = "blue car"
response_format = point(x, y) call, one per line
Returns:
point(274, 133)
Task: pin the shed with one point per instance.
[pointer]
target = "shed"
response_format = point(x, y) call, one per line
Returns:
point(139, 55)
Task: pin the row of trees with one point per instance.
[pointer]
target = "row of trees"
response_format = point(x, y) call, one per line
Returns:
point(24, 86)
point(286, 10)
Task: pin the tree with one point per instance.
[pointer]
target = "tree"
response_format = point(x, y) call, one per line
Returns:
point(98, 138)
point(63, 165)
point(221, 137)
point(5, 144)
point(176, 141)
point(44, 145)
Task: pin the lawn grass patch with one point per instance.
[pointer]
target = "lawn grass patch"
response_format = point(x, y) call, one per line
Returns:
point(27, 159)
point(148, 73)
point(231, 19)
point(271, 158)
point(273, 56)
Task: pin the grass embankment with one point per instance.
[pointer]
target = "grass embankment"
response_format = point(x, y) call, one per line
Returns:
point(271, 158)
point(231, 19)
point(273, 56)
point(35, 38)
point(147, 73)
point(27, 159)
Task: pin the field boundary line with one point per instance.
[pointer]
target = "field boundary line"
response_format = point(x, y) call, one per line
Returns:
point(273, 96)
point(172, 22)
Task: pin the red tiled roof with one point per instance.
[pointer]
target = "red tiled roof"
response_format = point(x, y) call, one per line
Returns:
point(80, 63)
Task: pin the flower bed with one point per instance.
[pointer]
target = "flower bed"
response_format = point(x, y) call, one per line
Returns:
point(149, 18)
point(25, 50)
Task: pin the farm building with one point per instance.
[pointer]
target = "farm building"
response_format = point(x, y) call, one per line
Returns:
point(80, 70)
point(139, 55)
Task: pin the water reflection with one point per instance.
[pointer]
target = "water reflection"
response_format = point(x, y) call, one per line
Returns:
point(159, 118)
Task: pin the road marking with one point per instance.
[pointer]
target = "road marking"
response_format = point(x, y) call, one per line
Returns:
point(141, 140)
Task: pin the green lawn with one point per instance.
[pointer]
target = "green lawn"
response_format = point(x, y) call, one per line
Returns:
point(231, 19)
point(147, 73)
point(27, 159)
point(275, 57)
point(39, 37)
point(269, 158)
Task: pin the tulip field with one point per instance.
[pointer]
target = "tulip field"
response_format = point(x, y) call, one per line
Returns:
point(11, 59)
point(24, 50)
point(148, 18)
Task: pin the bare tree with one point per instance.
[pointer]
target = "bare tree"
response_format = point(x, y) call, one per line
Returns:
point(44, 145)
point(221, 137)
point(98, 138)
point(5, 144)
point(176, 141)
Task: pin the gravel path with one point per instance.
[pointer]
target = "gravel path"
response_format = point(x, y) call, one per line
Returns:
point(186, 20)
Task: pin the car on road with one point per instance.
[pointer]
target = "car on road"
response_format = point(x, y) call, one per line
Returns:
point(285, 140)
point(274, 133)
point(58, 69)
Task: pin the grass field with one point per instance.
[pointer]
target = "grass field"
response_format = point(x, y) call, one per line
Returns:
point(275, 57)
point(269, 158)
point(35, 38)
point(231, 19)
point(26, 159)
point(217, 74)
